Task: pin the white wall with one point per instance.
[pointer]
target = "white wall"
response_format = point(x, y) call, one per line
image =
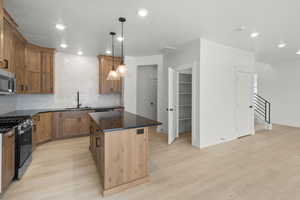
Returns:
point(130, 89)
point(72, 73)
point(280, 84)
point(218, 64)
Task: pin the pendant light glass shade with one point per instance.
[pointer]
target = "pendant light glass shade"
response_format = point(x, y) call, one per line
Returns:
point(113, 75)
point(122, 68)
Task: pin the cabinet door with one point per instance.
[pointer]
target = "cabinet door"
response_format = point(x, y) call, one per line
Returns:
point(100, 154)
point(47, 72)
point(33, 69)
point(20, 64)
point(8, 159)
point(70, 124)
point(117, 84)
point(44, 128)
point(108, 86)
point(84, 123)
point(8, 46)
point(1, 35)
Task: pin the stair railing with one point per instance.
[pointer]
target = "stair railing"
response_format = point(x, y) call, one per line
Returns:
point(262, 107)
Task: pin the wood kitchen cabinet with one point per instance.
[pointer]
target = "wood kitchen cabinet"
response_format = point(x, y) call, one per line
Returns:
point(8, 159)
point(121, 157)
point(1, 35)
point(71, 124)
point(42, 129)
point(47, 71)
point(8, 45)
point(105, 65)
point(39, 64)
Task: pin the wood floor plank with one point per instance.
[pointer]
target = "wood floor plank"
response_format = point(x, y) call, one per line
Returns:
point(265, 166)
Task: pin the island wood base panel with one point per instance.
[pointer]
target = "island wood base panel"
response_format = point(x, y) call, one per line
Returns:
point(121, 157)
point(126, 186)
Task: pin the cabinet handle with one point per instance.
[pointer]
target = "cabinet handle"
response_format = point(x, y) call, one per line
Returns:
point(34, 128)
point(98, 144)
point(5, 64)
point(91, 130)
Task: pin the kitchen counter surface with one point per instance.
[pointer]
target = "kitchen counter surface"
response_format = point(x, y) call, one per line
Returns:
point(30, 113)
point(120, 120)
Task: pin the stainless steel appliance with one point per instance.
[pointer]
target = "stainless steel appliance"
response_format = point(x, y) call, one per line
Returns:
point(7, 82)
point(23, 129)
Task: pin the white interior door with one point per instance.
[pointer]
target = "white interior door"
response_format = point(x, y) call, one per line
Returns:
point(172, 116)
point(245, 111)
point(147, 92)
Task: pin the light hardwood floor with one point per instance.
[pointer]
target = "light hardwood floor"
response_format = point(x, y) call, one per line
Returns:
point(261, 167)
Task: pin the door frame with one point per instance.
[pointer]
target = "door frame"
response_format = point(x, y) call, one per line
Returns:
point(236, 102)
point(195, 101)
point(157, 91)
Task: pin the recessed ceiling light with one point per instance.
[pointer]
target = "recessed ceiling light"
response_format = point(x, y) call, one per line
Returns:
point(254, 34)
point(63, 45)
point(143, 12)
point(120, 38)
point(60, 27)
point(281, 45)
point(298, 52)
point(108, 52)
point(80, 53)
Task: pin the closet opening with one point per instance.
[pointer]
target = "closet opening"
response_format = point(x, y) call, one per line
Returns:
point(180, 105)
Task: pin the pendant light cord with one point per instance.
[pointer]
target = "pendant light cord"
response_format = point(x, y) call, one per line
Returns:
point(113, 50)
point(123, 42)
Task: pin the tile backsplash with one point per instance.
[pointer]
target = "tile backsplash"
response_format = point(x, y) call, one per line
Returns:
point(7, 103)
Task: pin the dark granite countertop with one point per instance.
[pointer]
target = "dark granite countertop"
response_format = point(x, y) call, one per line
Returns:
point(120, 120)
point(30, 113)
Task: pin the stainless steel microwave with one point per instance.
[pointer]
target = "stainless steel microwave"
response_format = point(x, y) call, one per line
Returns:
point(7, 82)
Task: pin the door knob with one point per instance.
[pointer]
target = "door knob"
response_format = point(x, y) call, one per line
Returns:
point(250, 106)
point(170, 109)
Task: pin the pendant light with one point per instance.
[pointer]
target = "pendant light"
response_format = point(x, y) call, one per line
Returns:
point(122, 68)
point(113, 74)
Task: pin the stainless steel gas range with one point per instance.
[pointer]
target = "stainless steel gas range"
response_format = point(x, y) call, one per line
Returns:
point(23, 142)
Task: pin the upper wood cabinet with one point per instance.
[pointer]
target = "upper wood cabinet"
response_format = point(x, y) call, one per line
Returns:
point(1, 35)
point(33, 65)
point(39, 64)
point(105, 65)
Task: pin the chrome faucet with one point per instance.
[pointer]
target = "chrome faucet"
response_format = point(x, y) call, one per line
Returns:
point(78, 99)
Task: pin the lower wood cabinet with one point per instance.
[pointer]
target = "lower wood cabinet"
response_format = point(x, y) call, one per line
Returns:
point(71, 124)
point(42, 129)
point(8, 159)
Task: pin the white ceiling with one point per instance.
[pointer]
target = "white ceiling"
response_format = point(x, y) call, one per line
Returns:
point(170, 22)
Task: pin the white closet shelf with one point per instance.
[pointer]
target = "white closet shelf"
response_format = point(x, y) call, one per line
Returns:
point(184, 93)
point(184, 119)
point(185, 82)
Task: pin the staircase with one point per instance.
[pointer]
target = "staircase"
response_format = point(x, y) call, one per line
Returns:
point(262, 109)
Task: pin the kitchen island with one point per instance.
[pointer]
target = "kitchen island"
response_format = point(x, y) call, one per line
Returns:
point(119, 143)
